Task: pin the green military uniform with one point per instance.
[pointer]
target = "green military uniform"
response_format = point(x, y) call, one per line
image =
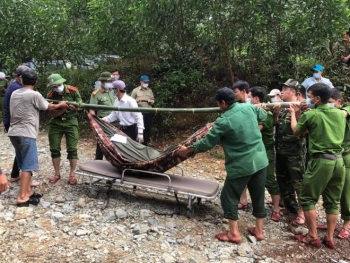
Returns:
point(345, 197)
point(245, 156)
point(290, 161)
point(3, 85)
point(66, 124)
point(325, 170)
point(100, 97)
point(267, 137)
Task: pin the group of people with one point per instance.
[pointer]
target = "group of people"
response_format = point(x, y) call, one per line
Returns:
point(297, 153)
point(22, 105)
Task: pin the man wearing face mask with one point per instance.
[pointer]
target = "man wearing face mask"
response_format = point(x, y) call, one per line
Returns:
point(325, 173)
point(290, 153)
point(317, 71)
point(275, 95)
point(102, 96)
point(145, 99)
point(131, 123)
point(115, 74)
point(63, 122)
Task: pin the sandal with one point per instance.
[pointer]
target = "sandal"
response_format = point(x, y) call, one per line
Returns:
point(252, 231)
point(306, 239)
point(36, 195)
point(54, 179)
point(328, 243)
point(275, 216)
point(225, 237)
point(30, 201)
point(298, 221)
point(242, 206)
point(344, 233)
point(72, 180)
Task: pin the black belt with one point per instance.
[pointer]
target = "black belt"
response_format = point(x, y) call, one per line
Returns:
point(346, 153)
point(63, 118)
point(326, 156)
point(123, 127)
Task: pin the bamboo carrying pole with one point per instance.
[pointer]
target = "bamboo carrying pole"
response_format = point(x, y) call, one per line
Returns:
point(158, 110)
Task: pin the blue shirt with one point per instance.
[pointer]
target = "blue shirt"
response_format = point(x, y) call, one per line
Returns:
point(307, 83)
point(11, 88)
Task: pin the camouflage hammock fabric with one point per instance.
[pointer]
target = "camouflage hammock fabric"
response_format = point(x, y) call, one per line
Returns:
point(133, 155)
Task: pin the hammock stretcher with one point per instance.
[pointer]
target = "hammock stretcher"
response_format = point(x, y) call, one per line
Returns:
point(132, 164)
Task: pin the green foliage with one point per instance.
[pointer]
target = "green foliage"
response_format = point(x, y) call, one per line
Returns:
point(189, 48)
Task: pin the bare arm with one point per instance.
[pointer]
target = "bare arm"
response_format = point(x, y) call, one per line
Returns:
point(57, 109)
point(276, 111)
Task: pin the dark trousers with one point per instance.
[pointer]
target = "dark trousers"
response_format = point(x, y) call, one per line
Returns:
point(15, 170)
point(131, 131)
point(147, 122)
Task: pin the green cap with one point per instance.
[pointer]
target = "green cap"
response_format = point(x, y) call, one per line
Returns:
point(105, 76)
point(55, 79)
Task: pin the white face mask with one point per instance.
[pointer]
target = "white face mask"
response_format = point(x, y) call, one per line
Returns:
point(59, 89)
point(108, 85)
point(248, 100)
point(116, 77)
point(331, 105)
point(145, 85)
point(273, 100)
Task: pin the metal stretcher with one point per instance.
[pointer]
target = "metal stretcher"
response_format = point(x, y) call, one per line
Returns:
point(192, 188)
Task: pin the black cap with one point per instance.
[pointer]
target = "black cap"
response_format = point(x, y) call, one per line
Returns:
point(224, 94)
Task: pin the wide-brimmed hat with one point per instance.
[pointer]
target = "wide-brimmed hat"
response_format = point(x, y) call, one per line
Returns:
point(55, 79)
point(105, 76)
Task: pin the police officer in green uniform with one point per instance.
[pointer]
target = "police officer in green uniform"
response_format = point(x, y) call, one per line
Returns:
point(102, 96)
point(63, 122)
point(3, 85)
point(325, 172)
point(257, 95)
point(336, 101)
point(145, 99)
point(290, 153)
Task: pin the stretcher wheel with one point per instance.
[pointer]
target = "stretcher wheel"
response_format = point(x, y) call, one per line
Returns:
point(190, 213)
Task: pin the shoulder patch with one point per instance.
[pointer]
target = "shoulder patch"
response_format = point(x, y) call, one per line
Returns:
point(73, 89)
point(95, 92)
point(50, 95)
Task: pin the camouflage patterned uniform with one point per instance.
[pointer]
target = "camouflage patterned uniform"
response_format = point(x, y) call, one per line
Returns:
point(290, 161)
point(340, 50)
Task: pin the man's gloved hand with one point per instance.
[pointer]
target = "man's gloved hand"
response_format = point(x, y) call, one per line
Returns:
point(140, 138)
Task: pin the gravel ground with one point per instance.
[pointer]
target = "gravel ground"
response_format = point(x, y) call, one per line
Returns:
point(70, 226)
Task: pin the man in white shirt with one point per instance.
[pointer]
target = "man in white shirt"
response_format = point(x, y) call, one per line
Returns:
point(316, 78)
point(131, 123)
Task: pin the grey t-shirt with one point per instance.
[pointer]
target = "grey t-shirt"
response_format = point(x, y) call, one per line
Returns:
point(25, 105)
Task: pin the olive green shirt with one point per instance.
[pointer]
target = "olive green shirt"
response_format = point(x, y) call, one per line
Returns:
point(287, 143)
point(346, 141)
point(267, 131)
point(100, 97)
point(326, 126)
point(67, 95)
point(238, 132)
point(143, 94)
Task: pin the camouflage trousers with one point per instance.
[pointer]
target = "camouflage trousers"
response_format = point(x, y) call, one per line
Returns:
point(289, 174)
